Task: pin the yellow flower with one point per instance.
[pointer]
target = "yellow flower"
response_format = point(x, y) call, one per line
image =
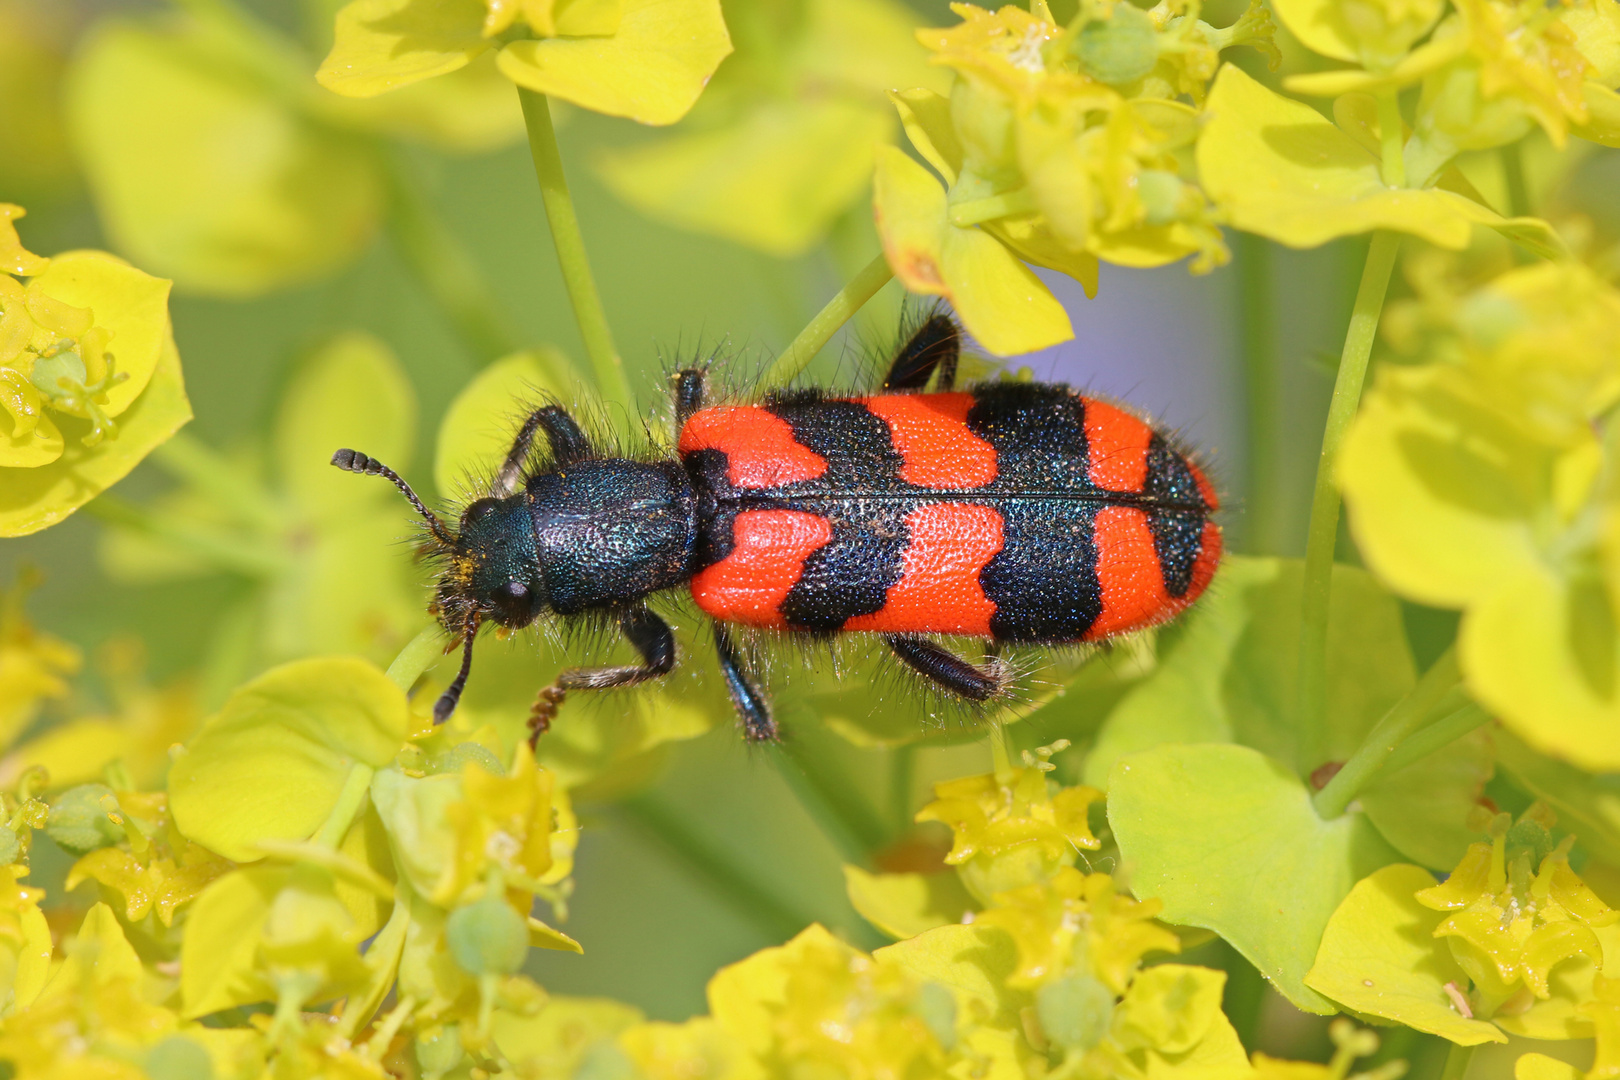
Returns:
point(1511, 925)
point(518, 823)
point(33, 666)
point(817, 1006)
point(1079, 922)
point(162, 870)
point(1012, 828)
point(644, 59)
point(85, 341)
point(1058, 147)
point(25, 939)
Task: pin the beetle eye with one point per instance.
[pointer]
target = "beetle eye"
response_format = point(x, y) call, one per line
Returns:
point(478, 511)
point(511, 591)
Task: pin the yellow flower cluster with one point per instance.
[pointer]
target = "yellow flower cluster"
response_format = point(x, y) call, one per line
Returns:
point(1058, 146)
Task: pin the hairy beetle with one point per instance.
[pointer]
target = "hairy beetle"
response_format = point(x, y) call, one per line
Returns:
point(1008, 512)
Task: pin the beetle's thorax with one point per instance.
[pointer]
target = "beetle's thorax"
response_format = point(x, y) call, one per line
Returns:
point(610, 531)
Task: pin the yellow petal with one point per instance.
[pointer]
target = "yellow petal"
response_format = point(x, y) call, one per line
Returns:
point(1603, 116)
point(652, 70)
point(381, 44)
point(1277, 168)
point(1001, 302)
point(33, 499)
point(926, 116)
point(14, 258)
point(909, 205)
point(39, 445)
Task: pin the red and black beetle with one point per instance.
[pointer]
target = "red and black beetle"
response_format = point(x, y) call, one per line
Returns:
point(1009, 512)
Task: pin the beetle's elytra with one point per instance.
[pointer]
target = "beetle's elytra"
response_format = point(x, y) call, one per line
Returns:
point(1009, 512)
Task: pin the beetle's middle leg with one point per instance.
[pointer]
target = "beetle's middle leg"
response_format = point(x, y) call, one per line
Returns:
point(568, 445)
point(647, 634)
point(934, 346)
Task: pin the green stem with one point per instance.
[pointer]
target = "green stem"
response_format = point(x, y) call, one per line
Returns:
point(1392, 134)
point(1518, 191)
point(1403, 718)
point(1000, 760)
point(902, 778)
point(1258, 324)
point(1324, 526)
point(1442, 733)
point(839, 810)
point(419, 654)
point(570, 245)
point(349, 802)
point(1457, 1059)
point(187, 458)
point(443, 266)
point(220, 549)
point(803, 349)
point(736, 884)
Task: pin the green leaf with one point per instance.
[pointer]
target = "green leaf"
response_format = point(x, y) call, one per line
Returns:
point(33, 499)
point(905, 905)
point(1227, 670)
point(1227, 838)
point(1277, 168)
point(478, 427)
point(159, 110)
point(379, 45)
point(274, 760)
point(1379, 957)
point(223, 933)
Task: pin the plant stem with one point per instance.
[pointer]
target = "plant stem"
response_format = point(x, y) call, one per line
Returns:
point(838, 809)
point(445, 269)
point(187, 458)
point(1324, 526)
point(419, 654)
point(1442, 733)
point(218, 548)
point(1403, 718)
point(1258, 326)
point(1518, 191)
point(349, 801)
point(736, 884)
point(565, 235)
point(1457, 1059)
point(803, 349)
point(1000, 761)
point(902, 777)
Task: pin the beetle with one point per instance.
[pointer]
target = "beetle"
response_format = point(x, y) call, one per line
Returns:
point(1011, 512)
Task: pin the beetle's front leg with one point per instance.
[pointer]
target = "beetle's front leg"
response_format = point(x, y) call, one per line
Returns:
point(649, 635)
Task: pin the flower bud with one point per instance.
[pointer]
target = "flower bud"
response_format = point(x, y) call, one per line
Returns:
point(438, 1050)
point(1119, 49)
point(1075, 1011)
point(487, 937)
point(451, 760)
point(1161, 194)
point(78, 823)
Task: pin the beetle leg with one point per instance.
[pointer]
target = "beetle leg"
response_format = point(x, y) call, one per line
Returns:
point(648, 635)
point(933, 347)
point(568, 445)
point(948, 670)
point(758, 724)
point(690, 384)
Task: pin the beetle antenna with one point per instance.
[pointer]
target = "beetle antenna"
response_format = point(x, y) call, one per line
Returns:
point(452, 695)
point(356, 462)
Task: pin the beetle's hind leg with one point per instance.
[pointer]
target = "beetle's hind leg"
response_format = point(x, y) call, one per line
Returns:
point(945, 669)
point(648, 635)
point(758, 724)
point(934, 346)
point(568, 445)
